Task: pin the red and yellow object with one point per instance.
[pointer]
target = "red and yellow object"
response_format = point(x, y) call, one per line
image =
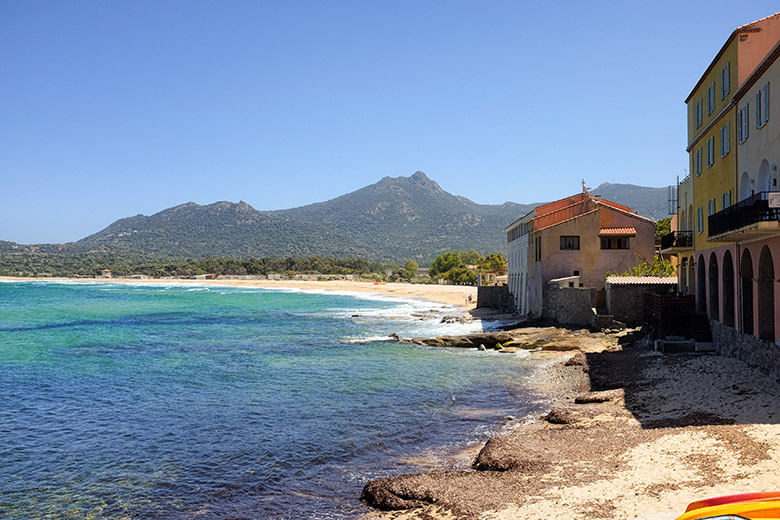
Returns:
point(735, 507)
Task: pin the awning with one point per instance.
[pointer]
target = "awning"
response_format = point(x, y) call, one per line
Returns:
point(617, 232)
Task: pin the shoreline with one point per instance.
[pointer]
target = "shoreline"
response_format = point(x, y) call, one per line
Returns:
point(644, 436)
point(454, 295)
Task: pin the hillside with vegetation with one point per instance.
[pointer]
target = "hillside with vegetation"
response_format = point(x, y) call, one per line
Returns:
point(392, 220)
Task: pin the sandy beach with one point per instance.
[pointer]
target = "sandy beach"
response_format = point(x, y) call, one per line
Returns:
point(632, 434)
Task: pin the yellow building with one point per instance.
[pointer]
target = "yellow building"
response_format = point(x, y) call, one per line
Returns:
point(727, 231)
point(715, 126)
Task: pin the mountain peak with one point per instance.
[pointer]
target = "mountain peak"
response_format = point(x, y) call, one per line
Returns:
point(423, 180)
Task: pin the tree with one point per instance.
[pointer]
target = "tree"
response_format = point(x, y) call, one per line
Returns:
point(410, 269)
point(461, 275)
point(659, 267)
point(470, 257)
point(663, 227)
point(494, 263)
point(444, 262)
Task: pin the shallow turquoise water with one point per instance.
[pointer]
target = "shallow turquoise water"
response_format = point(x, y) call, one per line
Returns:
point(146, 401)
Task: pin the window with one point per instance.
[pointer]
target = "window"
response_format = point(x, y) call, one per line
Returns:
point(743, 121)
point(697, 160)
point(725, 81)
point(699, 220)
point(725, 139)
point(615, 243)
point(725, 200)
point(711, 99)
point(570, 242)
point(710, 151)
point(699, 115)
point(762, 106)
point(710, 207)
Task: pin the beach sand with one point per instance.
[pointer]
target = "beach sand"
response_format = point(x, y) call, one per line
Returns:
point(671, 430)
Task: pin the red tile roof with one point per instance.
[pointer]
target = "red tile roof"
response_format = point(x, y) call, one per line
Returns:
point(617, 232)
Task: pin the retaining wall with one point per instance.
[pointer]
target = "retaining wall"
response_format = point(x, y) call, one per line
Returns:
point(570, 305)
point(758, 353)
point(495, 297)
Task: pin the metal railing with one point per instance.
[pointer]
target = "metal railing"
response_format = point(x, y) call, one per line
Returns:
point(677, 239)
point(744, 213)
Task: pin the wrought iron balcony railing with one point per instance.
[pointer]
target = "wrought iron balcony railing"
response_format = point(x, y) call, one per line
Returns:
point(745, 213)
point(677, 240)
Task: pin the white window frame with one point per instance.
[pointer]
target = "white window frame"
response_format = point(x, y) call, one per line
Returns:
point(697, 160)
point(743, 123)
point(725, 139)
point(700, 220)
point(725, 200)
point(725, 83)
point(711, 99)
point(710, 151)
point(699, 115)
point(762, 105)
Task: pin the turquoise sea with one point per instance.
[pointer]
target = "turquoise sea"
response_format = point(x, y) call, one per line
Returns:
point(176, 401)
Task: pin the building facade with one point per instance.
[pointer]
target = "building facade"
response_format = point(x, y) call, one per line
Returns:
point(580, 236)
point(724, 203)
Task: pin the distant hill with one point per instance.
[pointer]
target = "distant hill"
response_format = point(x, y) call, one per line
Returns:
point(392, 220)
point(648, 202)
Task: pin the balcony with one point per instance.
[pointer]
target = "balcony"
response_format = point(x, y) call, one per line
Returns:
point(754, 218)
point(677, 242)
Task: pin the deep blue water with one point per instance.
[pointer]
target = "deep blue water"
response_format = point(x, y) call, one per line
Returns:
point(173, 402)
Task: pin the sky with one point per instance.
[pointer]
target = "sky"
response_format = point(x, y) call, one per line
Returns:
point(113, 109)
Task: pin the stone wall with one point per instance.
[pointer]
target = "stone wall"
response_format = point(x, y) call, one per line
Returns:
point(495, 297)
point(758, 353)
point(570, 305)
point(625, 302)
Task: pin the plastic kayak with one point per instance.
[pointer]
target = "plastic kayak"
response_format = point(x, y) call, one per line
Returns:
point(744, 505)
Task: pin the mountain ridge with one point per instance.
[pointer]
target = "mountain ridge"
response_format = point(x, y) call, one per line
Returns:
point(391, 220)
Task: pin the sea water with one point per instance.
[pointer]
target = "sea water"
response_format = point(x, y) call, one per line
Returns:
point(178, 401)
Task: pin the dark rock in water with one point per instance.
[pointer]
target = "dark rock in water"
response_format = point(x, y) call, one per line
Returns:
point(598, 397)
point(560, 416)
point(393, 337)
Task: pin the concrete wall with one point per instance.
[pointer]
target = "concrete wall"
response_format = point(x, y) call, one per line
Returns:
point(758, 353)
point(495, 297)
point(625, 302)
point(570, 305)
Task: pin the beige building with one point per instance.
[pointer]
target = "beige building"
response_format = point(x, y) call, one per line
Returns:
point(580, 236)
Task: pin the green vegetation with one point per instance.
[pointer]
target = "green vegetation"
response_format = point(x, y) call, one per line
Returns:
point(452, 266)
point(409, 272)
point(663, 227)
point(659, 267)
point(29, 264)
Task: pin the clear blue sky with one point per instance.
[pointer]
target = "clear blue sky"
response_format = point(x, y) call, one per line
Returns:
point(111, 109)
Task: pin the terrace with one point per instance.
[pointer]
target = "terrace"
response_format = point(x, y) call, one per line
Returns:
point(754, 218)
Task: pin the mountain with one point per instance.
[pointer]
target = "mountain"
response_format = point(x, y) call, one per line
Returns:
point(648, 202)
point(392, 220)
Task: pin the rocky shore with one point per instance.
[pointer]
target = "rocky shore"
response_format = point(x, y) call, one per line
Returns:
point(631, 434)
